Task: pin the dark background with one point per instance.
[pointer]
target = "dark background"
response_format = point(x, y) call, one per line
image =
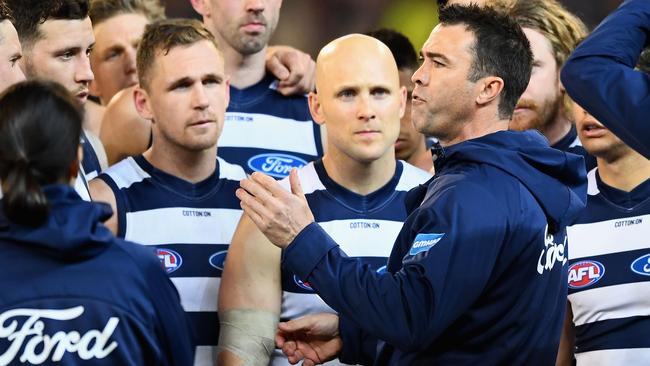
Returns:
point(310, 24)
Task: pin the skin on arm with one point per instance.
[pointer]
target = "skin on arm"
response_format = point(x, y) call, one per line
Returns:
point(251, 278)
point(567, 340)
point(124, 133)
point(101, 192)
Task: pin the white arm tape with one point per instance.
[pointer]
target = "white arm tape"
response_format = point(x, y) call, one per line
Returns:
point(249, 334)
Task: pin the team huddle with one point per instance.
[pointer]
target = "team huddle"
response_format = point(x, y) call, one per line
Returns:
point(178, 192)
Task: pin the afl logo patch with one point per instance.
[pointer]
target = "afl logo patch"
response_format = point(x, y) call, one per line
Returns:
point(169, 259)
point(275, 165)
point(585, 273)
point(218, 259)
point(641, 265)
point(302, 284)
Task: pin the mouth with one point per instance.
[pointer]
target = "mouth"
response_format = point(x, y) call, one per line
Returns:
point(82, 96)
point(254, 27)
point(367, 133)
point(592, 129)
point(201, 123)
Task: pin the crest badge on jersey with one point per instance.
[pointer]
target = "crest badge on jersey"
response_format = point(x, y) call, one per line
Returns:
point(169, 259)
point(641, 265)
point(585, 273)
point(218, 259)
point(275, 165)
point(424, 242)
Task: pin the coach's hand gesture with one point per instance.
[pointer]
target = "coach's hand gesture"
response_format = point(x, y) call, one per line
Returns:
point(312, 338)
point(279, 214)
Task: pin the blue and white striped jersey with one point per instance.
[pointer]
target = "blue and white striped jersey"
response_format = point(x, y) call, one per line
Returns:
point(191, 227)
point(364, 226)
point(609, 276)
point(267, 132)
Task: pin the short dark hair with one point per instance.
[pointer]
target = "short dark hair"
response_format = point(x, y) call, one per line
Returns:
point(163, 35)
point(500, 49)
point(33, 112)
point(5, 13)
point(399, 45)
point(30, 14)
point(101, 10)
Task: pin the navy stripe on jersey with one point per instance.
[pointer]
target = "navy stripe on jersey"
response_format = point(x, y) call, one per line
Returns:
point(90, 161)
point(622, 333)
point(193, 260)
point(268, 132)
point(617, 269)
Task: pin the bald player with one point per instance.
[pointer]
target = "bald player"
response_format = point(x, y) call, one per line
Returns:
point(10, 51)
point(356, 192)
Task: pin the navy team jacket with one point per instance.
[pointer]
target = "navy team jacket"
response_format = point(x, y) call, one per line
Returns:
point(71, 293)
point(477, 276)
point(600, 74)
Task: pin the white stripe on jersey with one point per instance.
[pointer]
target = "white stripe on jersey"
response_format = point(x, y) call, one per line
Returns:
point(182, 225)
point(127, 172)
point(198, 293)
point(230, 171)
point(412, 177)
point(205, 355)
point(362, 237)
point(611, 357)
point(592, 185)
point(268, 132)
point(610, 236)
point(604, 303)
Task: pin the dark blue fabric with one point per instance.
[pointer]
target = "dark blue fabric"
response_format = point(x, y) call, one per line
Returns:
point(620, 333)
point(566, 142)
point(482, 291)
point(90, 162)
point(73, 261)
point(600, 74)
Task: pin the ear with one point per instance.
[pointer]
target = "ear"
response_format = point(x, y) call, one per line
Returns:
point(491, 88)
point(402, 101)
point(143, 103)
point(316, 109)
point(201, 7)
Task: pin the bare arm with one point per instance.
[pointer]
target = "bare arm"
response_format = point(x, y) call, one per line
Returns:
point(251, 283)
point(124, 133)
point(565, 352)
point(101, 192)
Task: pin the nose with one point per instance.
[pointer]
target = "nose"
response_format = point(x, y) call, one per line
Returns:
point(365, 111)
point(200, 99)
point(83, 73)
point(420, 77)
point(130, 62)
point(17, 75)
point(255, 6)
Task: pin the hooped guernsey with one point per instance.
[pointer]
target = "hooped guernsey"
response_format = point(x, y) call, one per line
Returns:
point(74, 294)
point(364, 225)
point(191, 227)
point(609, 276)
point(477, 275)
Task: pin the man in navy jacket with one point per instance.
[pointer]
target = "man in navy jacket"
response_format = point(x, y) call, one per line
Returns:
point(600, 74)
point(477, 274)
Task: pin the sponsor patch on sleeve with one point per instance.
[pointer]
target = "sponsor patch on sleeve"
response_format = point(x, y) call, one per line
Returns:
point(424, 242)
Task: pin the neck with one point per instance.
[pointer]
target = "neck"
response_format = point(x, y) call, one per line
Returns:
point(484, 122)
point(421, 158)
point(244, 70)
point(359, 177)
point(192, 166)
point(624, 173)
point(558, 128)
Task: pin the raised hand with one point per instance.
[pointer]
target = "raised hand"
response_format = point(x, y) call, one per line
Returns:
point(295, 69)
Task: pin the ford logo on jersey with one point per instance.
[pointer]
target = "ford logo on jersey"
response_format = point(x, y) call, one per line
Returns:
point(275, 165)
point(424, 242)
point(302, 284)
point(585, 273)
point(218, 259)
point(169, 259)
point(641, 265)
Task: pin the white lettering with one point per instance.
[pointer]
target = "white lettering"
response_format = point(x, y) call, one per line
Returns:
point(551, 253)
point(39, 346)
point(646, 267)
point(278, 165)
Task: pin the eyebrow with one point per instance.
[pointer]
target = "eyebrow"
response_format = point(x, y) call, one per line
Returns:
point(432, 55)
point(189, 80)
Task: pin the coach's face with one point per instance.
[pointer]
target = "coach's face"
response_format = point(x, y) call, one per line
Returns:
point(187, 96)
point(62, 54)
point(444, 97)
